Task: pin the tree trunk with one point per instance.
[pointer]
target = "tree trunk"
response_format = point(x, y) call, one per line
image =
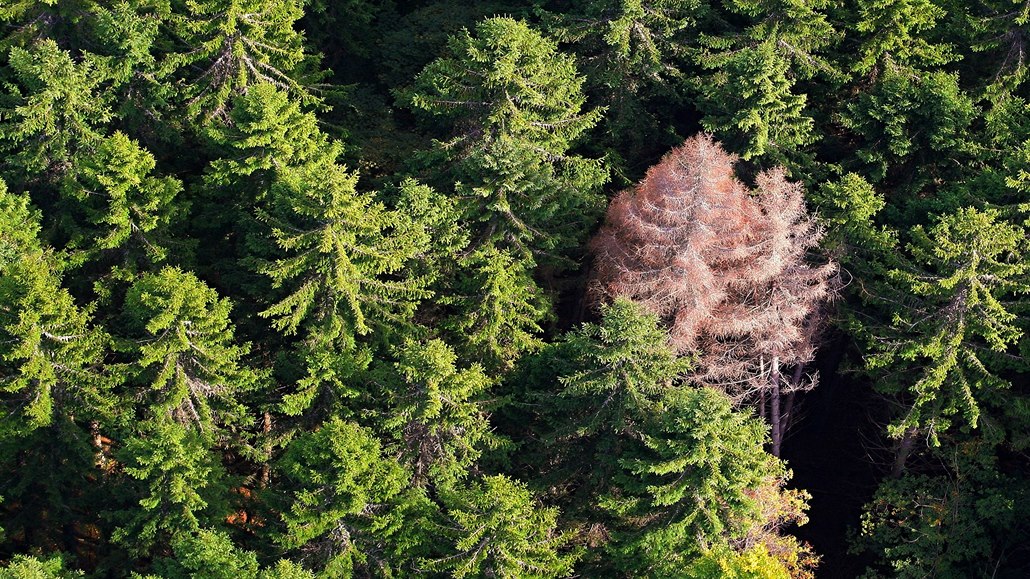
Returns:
point(761, 393)
point(100, 458)
point(774, 410)
point(905, 447)
point(266, 468)
point(795, 381)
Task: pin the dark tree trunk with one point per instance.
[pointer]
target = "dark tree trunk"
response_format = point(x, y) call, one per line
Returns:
point(266, 467)
point(904, 450)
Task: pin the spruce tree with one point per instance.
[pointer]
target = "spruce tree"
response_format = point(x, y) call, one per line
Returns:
point(223, 47)
point(938, 349)
point(123, 205)
point(497, 529)
point(187, 365)
point(348, 511)
point(700, 477)
point(749, 98)
point(438, 413)
point(178, 481)
point(56, 108)
point(343, 264)
point(515, 107)
point(635, 55)
point(50, 350)
point(894, 34)
point(909, 118)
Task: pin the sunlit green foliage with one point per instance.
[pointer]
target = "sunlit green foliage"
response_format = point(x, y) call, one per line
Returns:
point(305, 288)
point(964, 265)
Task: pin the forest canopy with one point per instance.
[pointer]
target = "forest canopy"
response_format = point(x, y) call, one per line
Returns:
point(552, 288)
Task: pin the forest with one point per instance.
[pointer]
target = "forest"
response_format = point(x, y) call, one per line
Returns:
point(680, 289)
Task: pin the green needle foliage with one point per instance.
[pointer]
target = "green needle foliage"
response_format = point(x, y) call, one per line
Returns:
point(186, 362)
point(516, 106)
point(700, 478)
point(344, 262)
point(264, 319)
point(909, 114)
point(967, 263)
point(50, 350)
point(498, 530)
point(750, 100)
point(19, 226)
point(123, 204)
point(268, 131)
point(179, 484)
point(634, 54)
point(438, 412)
point(27, 567)
point(213, 554)
point(339, 251)
point(223, 47)
point(500, 308)
point(894, 35)
point(57, 108)
point(349, 510)
point(749, 96)
point(625, 367)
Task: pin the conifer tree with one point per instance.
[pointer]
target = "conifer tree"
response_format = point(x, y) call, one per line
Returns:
point(19, 226)
point(700, 478)
point(268, 134)
point(438, 412)
point(728, 271)
point(181, 486)
point(501, 308)
point(749, 98)
point(750, 102)
point(50, 351)
point(515, 106)
point(939, 347)
point(909, 117)
point(498, 530)
point(589, 393)
point(343, 267)
point(633, 53)
point(662, 242)
point(124, 206)
point(660, 473)
point(349, 268)
point(223, 47)
point(894, 35)
point(620, 368)
point(30, 567)
point(268, 131)
point(349, 512)
point(338, 253)
point(57, 108)
point(187, 364)
point(214, 554)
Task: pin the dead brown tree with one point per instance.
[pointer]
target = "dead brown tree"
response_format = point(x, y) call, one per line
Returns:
point(726, 268)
